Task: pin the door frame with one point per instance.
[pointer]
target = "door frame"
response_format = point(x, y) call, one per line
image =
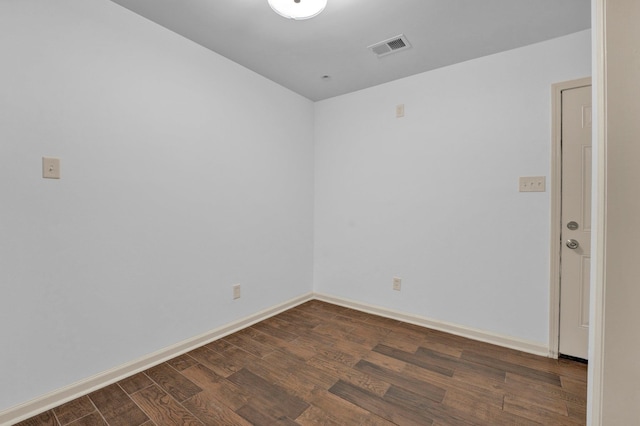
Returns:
point(556, 208)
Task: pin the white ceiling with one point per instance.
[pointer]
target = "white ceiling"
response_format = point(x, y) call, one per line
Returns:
point(296, 54)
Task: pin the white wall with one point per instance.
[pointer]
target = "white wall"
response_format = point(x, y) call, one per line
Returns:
point(620, 316)
point(182, 173)
point(433, 197)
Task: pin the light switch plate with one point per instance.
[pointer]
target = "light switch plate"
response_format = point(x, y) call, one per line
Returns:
point(399, 110)
point(50, 168)
point(532, 184)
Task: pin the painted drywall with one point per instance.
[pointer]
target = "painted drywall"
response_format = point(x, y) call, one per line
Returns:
point(182, 174)
point(432, 197)
point(620, 371)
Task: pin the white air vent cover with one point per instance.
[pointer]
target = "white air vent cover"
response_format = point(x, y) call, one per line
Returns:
point(392, 45)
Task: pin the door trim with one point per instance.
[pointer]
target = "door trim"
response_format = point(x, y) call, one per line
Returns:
point(556, 208)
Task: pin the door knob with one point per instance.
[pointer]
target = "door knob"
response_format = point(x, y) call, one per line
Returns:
point(573, 244)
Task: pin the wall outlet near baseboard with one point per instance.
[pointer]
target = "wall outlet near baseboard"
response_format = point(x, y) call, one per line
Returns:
point(236, 291)
point(397, 283)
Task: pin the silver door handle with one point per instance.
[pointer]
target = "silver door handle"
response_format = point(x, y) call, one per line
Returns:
point(573, 244)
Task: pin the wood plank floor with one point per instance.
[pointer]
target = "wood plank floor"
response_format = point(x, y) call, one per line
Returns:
point(323, 364)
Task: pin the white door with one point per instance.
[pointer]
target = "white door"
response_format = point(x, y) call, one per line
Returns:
point(575, 252)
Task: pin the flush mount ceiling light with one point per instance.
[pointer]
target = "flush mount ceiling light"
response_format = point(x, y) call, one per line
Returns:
point(298, 9)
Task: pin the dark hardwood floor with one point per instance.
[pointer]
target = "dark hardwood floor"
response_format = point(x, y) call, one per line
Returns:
point(323, 364)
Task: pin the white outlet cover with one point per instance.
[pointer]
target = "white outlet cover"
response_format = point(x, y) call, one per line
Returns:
point(397, 283)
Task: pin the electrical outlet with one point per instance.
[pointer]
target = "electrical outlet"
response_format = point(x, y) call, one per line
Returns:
point(399, 110)
point(236, 291)
point(397, 283)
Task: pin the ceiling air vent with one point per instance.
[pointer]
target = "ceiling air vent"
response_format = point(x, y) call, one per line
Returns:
point(391, 45)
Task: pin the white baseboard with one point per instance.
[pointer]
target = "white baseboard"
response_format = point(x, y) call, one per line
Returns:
point(86, 386)
point(458, 330)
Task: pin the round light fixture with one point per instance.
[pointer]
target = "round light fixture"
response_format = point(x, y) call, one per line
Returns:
point(298, 9)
